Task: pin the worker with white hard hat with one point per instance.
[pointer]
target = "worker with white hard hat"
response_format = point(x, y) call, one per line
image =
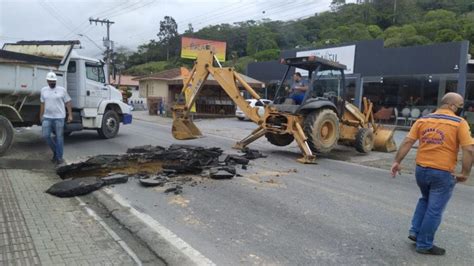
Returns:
point(52, 113)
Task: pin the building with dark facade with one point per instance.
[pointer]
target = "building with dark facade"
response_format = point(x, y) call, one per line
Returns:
point(402, 79)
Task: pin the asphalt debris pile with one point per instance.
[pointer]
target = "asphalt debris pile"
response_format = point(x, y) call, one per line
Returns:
point(75, 187)
point(151, 166)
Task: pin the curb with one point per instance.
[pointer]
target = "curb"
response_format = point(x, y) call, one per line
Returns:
point(164, 243)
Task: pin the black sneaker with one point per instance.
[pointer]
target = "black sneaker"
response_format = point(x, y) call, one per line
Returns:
point(412, 238)
point(60, 162)
point(432, 251)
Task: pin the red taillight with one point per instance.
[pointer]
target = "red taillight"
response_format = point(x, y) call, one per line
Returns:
point(312, 58)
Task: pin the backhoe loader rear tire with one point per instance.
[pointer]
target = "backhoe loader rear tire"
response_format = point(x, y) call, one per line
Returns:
point(279, 139)
point(6, 135)
point(322, 130)
point(364, 141)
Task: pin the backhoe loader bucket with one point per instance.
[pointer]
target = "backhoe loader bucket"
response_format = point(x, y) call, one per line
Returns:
point(383, 141)
point(184, 128)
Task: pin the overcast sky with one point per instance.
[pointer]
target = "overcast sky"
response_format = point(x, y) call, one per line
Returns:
point(136, 21)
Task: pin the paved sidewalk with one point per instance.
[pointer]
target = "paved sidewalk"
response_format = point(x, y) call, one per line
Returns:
point(39, 229)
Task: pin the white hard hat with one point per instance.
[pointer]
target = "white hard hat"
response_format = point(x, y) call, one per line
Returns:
point(51, 76)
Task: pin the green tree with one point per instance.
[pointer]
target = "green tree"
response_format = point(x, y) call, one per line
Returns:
point(351, 33)
point(336, 4)
point(447, 35)
point(168, 34)
point(437, 20)
point(266, 55)
point(190, 30)
point(260, 38)
point(374, 31)
point(403, 36)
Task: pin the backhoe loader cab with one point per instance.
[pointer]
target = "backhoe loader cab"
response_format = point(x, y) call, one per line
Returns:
point(322, 106)
point(325, 82)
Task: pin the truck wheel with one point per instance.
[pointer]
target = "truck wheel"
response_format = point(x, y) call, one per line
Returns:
point(279, 139)
point(110, 125)
point(6, 135)
point(364, 141)
point(322, 130)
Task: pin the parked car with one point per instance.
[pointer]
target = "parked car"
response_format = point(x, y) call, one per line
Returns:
point(254, 103)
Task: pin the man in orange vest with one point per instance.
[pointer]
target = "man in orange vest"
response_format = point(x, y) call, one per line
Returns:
point(439, 134)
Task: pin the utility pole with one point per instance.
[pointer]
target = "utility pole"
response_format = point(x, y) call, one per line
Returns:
point(107, 43)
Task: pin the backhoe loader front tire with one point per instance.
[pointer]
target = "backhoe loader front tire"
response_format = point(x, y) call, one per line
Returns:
point(364, 141)
point(279, 139)
point(322, 130)
point(110, 125)
point(6, 135)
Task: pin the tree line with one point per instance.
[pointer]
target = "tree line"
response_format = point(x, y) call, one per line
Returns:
point(397, 22)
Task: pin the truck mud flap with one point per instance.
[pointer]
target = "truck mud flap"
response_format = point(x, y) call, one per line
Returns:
point(127, 119)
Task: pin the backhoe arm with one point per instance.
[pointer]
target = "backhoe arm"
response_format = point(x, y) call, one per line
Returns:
point(228, 79)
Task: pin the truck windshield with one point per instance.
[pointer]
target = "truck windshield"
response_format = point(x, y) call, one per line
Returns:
point(95, 72)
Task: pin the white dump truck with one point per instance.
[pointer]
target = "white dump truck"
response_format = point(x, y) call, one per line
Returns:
point(23, 68)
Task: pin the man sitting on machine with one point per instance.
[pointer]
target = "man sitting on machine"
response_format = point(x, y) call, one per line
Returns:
point(298, 88)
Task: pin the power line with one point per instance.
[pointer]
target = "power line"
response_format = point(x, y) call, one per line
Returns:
point(105, 13)
point(218, 10)
point(146, 31)
point(53, 13)
point(91, 41)
point(107, 42)
point(275, 11)
point(283, 8)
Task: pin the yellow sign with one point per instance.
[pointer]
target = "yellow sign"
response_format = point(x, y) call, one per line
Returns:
point(191, 46)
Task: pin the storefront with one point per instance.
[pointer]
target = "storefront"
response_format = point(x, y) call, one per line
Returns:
point(408, 81)
point(162, 91)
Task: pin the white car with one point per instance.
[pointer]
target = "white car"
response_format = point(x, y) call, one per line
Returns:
point(254, 103)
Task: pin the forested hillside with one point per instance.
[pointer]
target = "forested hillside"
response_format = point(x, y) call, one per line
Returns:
point(398, 22)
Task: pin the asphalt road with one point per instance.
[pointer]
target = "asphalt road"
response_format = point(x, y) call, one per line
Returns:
point(284, 213)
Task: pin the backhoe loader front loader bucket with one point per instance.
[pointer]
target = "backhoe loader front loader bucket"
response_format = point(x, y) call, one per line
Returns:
point(183, 129)
point(383, 140)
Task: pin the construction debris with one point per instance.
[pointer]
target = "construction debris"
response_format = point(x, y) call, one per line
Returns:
point(115, 179)
point(252, 154)
point(75, 187)
point(152, 166)
point(176, 190)
point(153, 181)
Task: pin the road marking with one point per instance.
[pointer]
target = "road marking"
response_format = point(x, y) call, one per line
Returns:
point(111, 232)
point(194, 255)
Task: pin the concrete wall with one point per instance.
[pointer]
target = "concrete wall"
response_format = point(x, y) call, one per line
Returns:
point(153, 88)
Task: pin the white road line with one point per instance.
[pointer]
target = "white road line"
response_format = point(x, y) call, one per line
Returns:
point(111, 232)
point(195, 256)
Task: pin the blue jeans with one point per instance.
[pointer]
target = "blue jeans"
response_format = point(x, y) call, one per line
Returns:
point(56, 144)
point(298, 98)
point(436, 189)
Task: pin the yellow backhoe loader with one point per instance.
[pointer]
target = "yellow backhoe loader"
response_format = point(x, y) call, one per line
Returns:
point(321, 121)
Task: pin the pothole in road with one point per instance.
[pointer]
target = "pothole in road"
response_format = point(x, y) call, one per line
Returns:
point(153, 166)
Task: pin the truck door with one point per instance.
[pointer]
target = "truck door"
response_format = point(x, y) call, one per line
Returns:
point(96, 88)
